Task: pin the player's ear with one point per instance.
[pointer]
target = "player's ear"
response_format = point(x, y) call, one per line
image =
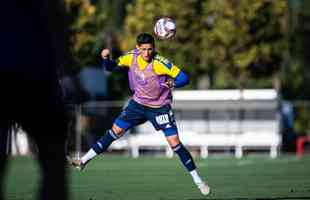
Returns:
point(137, 46)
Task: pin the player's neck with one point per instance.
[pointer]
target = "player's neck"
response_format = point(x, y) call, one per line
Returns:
point(147, 60)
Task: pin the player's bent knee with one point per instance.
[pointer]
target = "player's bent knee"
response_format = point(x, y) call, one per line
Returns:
point(173, 140)
point(117, 130)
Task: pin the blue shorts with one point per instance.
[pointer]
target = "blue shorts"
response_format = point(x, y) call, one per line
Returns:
point(162, 118)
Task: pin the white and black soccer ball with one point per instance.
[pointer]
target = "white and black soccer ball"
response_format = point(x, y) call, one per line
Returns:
point(165, 28)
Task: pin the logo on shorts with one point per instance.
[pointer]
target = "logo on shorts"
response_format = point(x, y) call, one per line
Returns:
point(168, 126)
point(162, 119)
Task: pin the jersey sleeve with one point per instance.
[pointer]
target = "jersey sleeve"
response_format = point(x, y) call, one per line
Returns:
point(181, 80)
point(164, 66)
point(125, 60)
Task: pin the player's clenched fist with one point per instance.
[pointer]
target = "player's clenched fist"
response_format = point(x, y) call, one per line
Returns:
point(105, 53)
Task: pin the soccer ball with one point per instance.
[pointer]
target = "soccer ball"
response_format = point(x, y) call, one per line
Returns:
point(165, 28)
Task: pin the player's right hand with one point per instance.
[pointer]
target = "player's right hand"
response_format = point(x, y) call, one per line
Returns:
point(105, 53)
point(168, 84)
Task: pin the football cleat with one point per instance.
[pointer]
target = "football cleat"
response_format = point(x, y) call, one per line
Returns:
point(204, 188)
point(77, 163)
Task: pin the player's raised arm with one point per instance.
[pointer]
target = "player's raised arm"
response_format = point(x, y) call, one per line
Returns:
point(124, 61)
point(107, 62)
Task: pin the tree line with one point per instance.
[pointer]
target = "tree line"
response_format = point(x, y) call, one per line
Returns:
point(221, 44)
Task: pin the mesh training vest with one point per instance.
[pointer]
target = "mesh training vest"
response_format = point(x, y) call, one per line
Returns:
point(147, 85)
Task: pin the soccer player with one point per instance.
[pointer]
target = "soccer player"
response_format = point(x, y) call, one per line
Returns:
point(151, 79)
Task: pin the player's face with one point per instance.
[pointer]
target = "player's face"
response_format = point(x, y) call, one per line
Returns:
point(146, 51)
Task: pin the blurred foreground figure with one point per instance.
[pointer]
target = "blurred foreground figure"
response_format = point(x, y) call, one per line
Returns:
point(33, 48)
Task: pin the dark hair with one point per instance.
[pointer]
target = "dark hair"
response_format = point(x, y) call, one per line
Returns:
point(145, 38)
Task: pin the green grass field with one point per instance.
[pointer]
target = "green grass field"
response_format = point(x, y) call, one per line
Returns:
point(153, 178)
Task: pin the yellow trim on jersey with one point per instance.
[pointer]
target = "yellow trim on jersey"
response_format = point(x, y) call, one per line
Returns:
point(125, 60)
point(161, 65)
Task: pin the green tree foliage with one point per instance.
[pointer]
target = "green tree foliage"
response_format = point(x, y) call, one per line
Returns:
point(83, 29)
point(244, 40)
point(296, 72)
point(181, 50)
point(232, 42)
point(94, 24)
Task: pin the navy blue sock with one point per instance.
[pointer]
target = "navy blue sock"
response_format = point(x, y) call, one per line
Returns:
point(185, 157)
point(104, 142)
